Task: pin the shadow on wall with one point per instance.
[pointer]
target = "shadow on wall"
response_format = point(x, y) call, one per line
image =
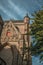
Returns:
point(10, 56)
point(2, 62)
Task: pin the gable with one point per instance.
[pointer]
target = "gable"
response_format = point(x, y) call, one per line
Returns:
point(10, 32)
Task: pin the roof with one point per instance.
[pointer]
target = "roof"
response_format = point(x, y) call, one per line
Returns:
point(15, 21)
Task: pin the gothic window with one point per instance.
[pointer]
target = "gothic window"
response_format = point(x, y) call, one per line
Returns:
point(11, 26)
point(17, 28)
point(8, 26)
point(8, 30)
point(8, 33)
point(5, 25)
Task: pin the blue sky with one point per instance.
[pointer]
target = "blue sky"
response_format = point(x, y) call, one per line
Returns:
point(17, 9)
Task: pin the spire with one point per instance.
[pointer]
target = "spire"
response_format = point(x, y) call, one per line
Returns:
point(27, 16)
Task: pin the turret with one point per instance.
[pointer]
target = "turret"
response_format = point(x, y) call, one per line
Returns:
point(26, 19)
point(26, 23)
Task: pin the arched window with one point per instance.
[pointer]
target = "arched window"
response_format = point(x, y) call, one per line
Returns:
point(17, 28)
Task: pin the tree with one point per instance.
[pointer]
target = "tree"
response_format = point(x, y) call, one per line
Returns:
point(37, 34)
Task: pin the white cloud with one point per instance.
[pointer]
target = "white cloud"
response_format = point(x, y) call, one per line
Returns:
point(6, 12)
point(16, 8)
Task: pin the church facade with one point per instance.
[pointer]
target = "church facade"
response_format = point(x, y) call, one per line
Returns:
point(13, 32)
